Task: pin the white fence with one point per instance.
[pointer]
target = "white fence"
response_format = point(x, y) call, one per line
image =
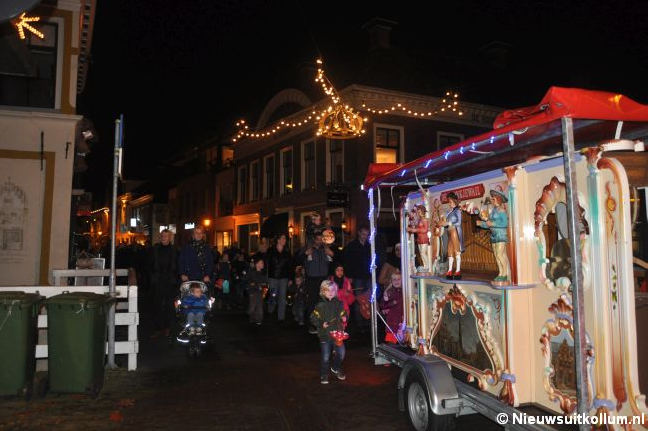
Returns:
point(126, 311)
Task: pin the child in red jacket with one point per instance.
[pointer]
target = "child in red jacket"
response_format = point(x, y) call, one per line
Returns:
point(345, 293)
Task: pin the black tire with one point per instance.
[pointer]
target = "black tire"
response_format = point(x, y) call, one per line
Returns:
point(419, 416)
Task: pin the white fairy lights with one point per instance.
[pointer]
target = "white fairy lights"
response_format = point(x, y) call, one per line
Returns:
point(338, 120)
point(449, 104)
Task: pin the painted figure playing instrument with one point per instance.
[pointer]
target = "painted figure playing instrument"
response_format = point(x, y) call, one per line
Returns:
point(454, 236)
point(497, 222)
point(421, 231)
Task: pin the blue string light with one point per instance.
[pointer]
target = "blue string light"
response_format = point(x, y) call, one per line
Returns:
point(428, 163)
point(462, 150)
point(403, 172)
point(447, 153)
point(473, 145)
point(371, 212)
point(491, 139)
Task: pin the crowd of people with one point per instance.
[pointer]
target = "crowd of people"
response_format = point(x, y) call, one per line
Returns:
point(329, 288)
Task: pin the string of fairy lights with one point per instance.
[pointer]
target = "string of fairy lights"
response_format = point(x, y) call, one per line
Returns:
point(449, 104)
point(339, 121)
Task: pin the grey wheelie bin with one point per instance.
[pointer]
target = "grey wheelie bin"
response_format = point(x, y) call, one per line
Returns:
point(18, 335)
point(77, 324)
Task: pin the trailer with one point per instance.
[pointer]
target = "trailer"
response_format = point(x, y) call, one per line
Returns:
point(519, 302)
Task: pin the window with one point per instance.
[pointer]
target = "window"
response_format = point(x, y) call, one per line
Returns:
point(211, 158)
point(446, 139)
point(242, 181)
point(388, 144)
point(256, 181)
point(286, 157)
point(227, 156)
point(308, 165)
point(225, 200)
point(248, 237)
point(269, 176)
point(33, 83)
point(223, 239)
point(334, 161)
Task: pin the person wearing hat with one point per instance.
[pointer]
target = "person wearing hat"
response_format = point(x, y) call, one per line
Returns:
point(454, 236)
point(497, 222)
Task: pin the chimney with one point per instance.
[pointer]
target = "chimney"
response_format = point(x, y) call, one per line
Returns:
point(379, 32)
point(497, 53)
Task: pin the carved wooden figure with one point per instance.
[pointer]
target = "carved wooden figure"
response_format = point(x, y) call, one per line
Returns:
point(497, 222)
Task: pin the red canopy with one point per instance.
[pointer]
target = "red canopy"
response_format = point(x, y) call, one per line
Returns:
point(575, 103)
point(557, 103)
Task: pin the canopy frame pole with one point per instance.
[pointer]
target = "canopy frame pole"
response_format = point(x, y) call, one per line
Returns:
point(573, 209)
point(373, 273)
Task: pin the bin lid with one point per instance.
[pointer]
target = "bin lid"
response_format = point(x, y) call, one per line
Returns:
point(7, 298)
point(87, 299)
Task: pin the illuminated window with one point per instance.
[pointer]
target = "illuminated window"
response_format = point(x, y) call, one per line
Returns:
point(308, 165)
point(387, 145)
point(286, 173)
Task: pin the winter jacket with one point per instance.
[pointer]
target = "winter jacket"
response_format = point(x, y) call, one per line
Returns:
point(356, 258)
point(330, 311)
point(254, 281)
point(345, 293)
point(193, 301)
point(188, 262)
point(163, 265)
point(391, 306)
point(318, 265)
point(279, 263)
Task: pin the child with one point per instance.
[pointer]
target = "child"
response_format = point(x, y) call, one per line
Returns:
point(391, 307)
point(344, 287)
point(223, 282)
point(329, 315)
point(314, 227)
point(192, 308)
point(300, 300)
point(256, 280)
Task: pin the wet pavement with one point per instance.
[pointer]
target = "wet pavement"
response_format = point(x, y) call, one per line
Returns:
point(255, 378)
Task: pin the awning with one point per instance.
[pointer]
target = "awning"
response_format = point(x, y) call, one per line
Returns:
point(525, 132)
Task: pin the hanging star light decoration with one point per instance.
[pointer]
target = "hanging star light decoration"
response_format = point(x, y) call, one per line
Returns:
point(22, 23)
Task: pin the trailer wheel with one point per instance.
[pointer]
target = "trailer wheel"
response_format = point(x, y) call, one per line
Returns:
point(419, 416)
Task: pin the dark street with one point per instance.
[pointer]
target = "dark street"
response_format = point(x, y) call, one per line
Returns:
point(256, 378)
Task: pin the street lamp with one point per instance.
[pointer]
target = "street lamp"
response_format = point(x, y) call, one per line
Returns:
point(291, 231)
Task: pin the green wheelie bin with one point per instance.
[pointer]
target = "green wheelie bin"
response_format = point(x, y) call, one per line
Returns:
point(77, 324)
point(18, 335)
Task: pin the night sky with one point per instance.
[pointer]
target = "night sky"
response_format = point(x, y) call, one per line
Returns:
point(181, 71)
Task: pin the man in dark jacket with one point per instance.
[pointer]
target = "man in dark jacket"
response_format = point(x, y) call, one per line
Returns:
point(196, 261)
point(280, 268)
point(315, 259)
point(164, 281)
point(356, 258)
